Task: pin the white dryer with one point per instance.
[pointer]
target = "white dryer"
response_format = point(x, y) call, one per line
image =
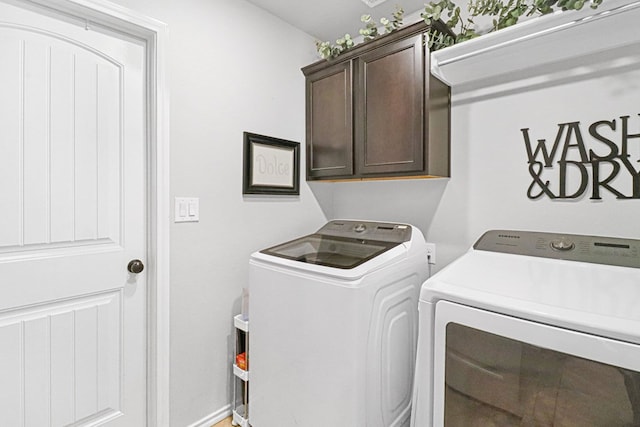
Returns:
point(334, 326)
point(532, 329)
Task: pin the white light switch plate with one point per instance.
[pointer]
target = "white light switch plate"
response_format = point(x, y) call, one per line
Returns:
point(187, 209)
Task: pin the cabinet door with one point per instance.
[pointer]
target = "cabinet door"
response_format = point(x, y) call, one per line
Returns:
point(329, 122)
point(389, 109)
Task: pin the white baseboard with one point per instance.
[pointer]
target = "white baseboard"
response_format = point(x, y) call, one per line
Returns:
point(213, 418)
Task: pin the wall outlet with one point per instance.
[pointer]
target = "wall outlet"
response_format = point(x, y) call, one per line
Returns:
point(431, 253)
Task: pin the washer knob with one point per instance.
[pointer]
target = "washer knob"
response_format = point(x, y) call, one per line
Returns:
point(562, 245)
point(359, 228)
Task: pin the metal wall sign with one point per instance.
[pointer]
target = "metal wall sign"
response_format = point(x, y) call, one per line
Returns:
point(593, 159)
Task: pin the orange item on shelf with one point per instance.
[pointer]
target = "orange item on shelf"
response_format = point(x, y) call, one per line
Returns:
point(241, 361)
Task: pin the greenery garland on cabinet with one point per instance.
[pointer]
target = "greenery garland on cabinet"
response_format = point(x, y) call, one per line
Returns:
point(503, 14)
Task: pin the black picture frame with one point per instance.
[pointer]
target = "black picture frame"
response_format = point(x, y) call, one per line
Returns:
point(271, 165)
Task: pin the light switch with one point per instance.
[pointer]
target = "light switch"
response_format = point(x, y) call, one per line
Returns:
point(193, 209)
point(187, 209)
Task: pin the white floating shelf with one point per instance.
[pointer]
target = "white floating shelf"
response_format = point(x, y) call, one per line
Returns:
point(552, 43)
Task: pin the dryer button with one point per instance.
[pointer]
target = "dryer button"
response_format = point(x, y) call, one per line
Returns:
point(359, 228)
point(562, 245)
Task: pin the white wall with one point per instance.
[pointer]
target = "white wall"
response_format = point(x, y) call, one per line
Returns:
point(232, 68)
point(490, 177)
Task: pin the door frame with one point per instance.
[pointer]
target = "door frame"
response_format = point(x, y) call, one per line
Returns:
point(154, 34)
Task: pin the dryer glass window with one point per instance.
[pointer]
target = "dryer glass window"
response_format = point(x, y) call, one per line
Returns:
point(339, 252)
point(493, 380)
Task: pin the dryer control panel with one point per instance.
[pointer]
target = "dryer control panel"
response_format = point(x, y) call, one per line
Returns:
point(379, 231)
point(570, 247)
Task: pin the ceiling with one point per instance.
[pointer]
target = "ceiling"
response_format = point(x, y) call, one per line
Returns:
point(328, 20)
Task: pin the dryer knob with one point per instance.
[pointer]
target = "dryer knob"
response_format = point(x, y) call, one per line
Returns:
point(562, 245)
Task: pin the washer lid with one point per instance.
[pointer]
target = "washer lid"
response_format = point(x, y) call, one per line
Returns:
point(330, 251)
point(343, 244)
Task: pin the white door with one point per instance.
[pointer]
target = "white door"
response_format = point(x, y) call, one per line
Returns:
point(72, 215)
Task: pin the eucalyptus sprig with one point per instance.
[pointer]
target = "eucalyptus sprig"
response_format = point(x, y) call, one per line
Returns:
point(504, 13)
point(370, 31)
point(434, 11)
point(345, 42)
point(396, 21)
point(327, 51)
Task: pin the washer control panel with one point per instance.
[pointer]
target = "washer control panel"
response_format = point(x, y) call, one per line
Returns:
point(367, 230)
point(571, 247)
point(360, 228)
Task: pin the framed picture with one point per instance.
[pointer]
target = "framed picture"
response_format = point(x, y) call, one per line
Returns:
point(271, 165)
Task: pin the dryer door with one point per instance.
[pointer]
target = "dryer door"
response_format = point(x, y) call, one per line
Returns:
point(494, 369)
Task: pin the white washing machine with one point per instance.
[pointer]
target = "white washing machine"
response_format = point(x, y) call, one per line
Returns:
point(530, 329)
point(334, 326)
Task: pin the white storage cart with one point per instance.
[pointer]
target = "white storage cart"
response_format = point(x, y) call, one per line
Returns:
point(241, 373)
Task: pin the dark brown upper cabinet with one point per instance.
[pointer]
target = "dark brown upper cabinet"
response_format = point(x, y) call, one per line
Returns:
point(376, 111)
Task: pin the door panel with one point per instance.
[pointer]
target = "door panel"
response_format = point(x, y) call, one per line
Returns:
point(61, 356)
point(330, 122)
point(390, 108)
point(391, 353)
point(10, 130)
point(62, 171)
point(72, 197)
